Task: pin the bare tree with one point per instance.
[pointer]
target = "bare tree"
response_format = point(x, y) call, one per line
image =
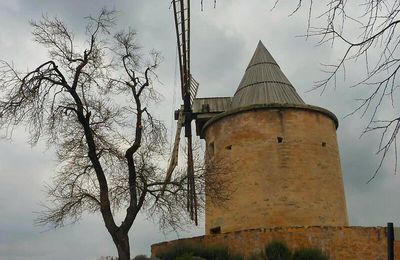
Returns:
point(92, 105)
point(367, 31)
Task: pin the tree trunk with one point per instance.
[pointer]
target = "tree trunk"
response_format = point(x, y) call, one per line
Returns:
point(122, 243)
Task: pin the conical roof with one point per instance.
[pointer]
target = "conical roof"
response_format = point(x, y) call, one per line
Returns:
point(264, 83)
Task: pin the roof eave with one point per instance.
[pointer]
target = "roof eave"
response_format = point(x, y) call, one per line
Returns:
point(269, 106)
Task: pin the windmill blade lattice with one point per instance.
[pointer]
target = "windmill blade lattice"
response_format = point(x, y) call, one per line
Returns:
point(189, 89)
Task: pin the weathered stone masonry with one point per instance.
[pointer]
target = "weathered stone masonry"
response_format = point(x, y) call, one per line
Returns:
point(286, 169)
point(340, 243)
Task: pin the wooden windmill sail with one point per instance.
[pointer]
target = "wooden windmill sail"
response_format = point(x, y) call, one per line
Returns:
point(184, 115)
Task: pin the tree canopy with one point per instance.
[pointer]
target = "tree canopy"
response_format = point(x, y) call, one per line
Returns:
point(92, 103)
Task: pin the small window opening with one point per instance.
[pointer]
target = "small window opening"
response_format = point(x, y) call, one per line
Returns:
point(229, 147)
point(323, 144)
point(280, 139)
point(205, 108)
point(211, 149)
point(216, 230)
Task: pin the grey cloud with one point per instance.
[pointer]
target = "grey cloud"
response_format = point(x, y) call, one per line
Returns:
point(223, 41)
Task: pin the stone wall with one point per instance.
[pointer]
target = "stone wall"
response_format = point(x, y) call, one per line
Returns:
point(340, 243)
point(286, 170)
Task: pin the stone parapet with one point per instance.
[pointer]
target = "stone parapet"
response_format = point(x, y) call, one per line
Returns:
point(340, 243)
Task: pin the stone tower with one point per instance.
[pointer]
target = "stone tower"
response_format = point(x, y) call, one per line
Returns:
point(285, 167)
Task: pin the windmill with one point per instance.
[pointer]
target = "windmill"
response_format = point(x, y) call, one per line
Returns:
point(184, 115)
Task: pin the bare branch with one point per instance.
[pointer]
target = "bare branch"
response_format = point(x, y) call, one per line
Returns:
point(368, 30)
point(93, 107)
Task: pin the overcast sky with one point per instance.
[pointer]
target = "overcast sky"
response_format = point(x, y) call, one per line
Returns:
point(223, 41)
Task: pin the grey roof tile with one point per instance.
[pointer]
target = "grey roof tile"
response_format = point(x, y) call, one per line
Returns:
point(211, 105)
point(264, 83)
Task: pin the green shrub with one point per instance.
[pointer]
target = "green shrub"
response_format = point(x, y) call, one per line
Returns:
point(184, 251)
point(186, 256)
point(309, 254)
point(277, 250)
point(141, 257)
point(176, 251)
